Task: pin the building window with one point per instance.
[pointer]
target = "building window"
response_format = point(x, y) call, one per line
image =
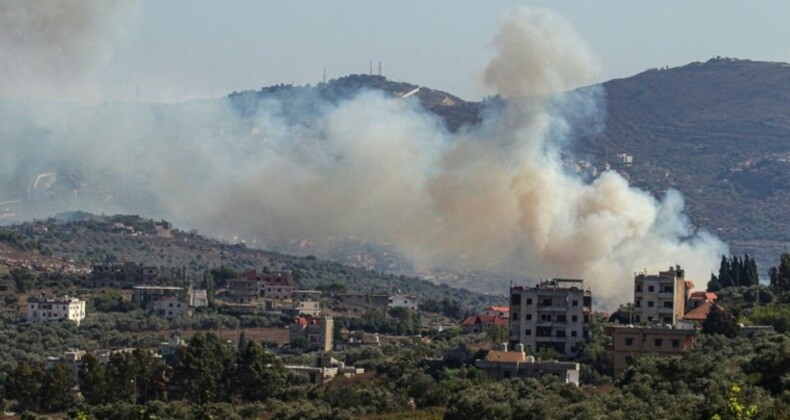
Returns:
point(515, 299)
point(667, 304)
point(529, 301)
point(560, 333)
point(676, 343)
point(546, 302)
point(638, 288)
point(629, 341)
point(574, 318)
point(650, 303)
point(575, 303)
point(574, 333)
point(658, 342)
point(651, 288)
point(529, 317)
point(528, 332)
point(515, 316)
point(562, 318)
point(638, 303)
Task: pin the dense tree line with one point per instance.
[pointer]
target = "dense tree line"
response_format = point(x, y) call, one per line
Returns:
point(208, 370)
point(396, 321)
point(450, 308)
point(733, 272)
point(721, 377)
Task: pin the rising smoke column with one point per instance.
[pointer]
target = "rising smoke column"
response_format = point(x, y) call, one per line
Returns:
point(603, 231)
point(492, 195)
point(385, 170)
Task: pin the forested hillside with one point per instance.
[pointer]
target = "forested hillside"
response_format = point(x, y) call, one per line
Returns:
point(75, 245)
point(717, 131)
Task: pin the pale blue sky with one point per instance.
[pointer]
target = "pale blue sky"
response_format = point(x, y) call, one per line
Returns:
point(182, 49)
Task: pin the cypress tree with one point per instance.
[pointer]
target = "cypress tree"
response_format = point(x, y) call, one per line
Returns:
point(724, 273)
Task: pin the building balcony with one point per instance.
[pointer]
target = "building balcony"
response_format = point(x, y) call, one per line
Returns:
point(552, 308)
point(552, 339)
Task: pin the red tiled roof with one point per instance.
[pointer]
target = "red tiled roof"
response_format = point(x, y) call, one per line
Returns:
point(307, 321)
point(700, 313)
point(707, 296)
point(484, 319)
point(498, 308)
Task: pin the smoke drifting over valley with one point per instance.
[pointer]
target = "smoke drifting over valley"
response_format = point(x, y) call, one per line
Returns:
point(371, 165)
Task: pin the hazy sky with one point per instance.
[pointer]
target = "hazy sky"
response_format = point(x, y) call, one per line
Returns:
point(181, 49)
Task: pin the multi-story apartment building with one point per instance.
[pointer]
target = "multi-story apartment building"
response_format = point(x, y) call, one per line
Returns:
point(146, 296)
point(41, 309)
point(171, 307)
point(554, 314)
point(660, 298)
point(319, 332)
point(123, 275)
point(243, 291)
point(251, 285)
point(629, 342)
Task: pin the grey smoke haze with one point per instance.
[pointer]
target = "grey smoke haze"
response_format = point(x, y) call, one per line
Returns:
point(382, 169)
point(50, 48)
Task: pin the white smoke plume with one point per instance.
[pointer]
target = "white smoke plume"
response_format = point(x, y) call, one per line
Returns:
point(384, 170)
point(52, 47)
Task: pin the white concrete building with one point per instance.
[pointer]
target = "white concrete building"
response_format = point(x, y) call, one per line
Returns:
point(171, 307)
point(403, 301)
point(660, 298)
point(198, 298)
point(554, 314)
point(307, 307)
point(42, 309)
